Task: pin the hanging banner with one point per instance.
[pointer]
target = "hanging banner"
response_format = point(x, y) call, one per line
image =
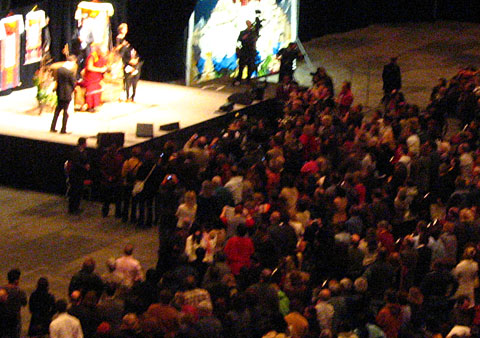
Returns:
point(34, 23)
point(11, 29)
point(214, 29)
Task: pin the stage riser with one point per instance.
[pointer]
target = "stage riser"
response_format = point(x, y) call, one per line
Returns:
point(38, 165)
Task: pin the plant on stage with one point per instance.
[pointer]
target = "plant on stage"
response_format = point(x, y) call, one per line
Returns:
point(45, 84)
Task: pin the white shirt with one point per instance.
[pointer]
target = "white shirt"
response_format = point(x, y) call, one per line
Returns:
point(325, 312)
point(235, 186)
point(184, 213)
point(65, 326)
point(413, 143)
point(130, 269)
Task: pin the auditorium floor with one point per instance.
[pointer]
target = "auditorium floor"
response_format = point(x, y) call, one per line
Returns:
point(42, 240)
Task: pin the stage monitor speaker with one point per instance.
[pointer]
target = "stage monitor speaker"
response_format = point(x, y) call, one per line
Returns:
point(105, 140)
point(170, 126)
point(241, 98)
point(258, 93)
point(227, 107)
point(144, 130)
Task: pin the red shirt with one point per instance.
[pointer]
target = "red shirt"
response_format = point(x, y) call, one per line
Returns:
point(387, 240)
point(238, 251)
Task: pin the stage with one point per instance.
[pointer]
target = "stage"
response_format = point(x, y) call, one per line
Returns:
point(156, 103)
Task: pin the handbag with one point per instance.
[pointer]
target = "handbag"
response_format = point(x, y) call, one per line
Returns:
point(130, 178)
point(139, 185)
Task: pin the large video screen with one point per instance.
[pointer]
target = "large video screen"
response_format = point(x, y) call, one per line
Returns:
point(214, 29)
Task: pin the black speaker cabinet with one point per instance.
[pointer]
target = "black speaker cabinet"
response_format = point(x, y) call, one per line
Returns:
point(241, 98)
point(144, 130)
point(105, 140)
point(170, 126)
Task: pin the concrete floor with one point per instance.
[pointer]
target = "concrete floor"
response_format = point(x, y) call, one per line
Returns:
point(42, 240)
point(425, 51)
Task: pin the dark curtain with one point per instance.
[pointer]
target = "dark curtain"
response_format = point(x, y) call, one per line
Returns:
point(157, 26)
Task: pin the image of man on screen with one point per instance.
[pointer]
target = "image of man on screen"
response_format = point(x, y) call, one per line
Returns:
point(247, 51)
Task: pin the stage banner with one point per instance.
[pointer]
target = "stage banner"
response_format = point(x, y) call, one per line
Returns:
point(11, 29)
point(214, 29)
point(34, 23)
point(94, 22)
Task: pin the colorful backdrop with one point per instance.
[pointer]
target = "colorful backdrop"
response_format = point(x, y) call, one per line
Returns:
point(214, 28)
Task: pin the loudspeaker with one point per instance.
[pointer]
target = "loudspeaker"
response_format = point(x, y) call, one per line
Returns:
point(144, 130)
point(258, 92)
point(227, 107)
point(170, 126)
point(105, 140)
point(241, 98)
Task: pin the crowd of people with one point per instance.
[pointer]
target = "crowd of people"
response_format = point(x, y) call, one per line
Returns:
point(321, 221)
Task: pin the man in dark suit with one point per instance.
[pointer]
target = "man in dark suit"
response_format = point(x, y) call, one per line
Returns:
point(247, 50)
point(391, 76)
point(66, 81)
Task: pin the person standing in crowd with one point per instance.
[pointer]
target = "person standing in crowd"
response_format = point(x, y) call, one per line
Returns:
point(86, 280)
point(128, 267)
point(42, 307)
point(79, 167)
point(65, 325)
point(466, 273)
point(187, 211)
point(149, 172)
point(345, 97)
point(16, 299)
point(129, 173)
point(288, 56)
point(66, 81)
point(392, 77)
point(111, 180)
point(239, 249)
point(247, 51)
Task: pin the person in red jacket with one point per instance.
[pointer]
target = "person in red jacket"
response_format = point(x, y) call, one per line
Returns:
point(345, 97)
point(238, 250)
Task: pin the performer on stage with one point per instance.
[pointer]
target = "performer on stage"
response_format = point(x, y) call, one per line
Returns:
point(94, 70)
point(80, 45)
point(132, 69)
point(247, 51)
point(66, 81)
point(121, 40)
point(131, 62)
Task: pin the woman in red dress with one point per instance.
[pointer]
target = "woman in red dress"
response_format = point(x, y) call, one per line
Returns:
point(94, 70)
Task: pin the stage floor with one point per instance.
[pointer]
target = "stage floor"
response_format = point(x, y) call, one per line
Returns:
point(156, 103)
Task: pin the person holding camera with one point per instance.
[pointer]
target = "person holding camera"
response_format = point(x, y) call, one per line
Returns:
point(288, 57)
